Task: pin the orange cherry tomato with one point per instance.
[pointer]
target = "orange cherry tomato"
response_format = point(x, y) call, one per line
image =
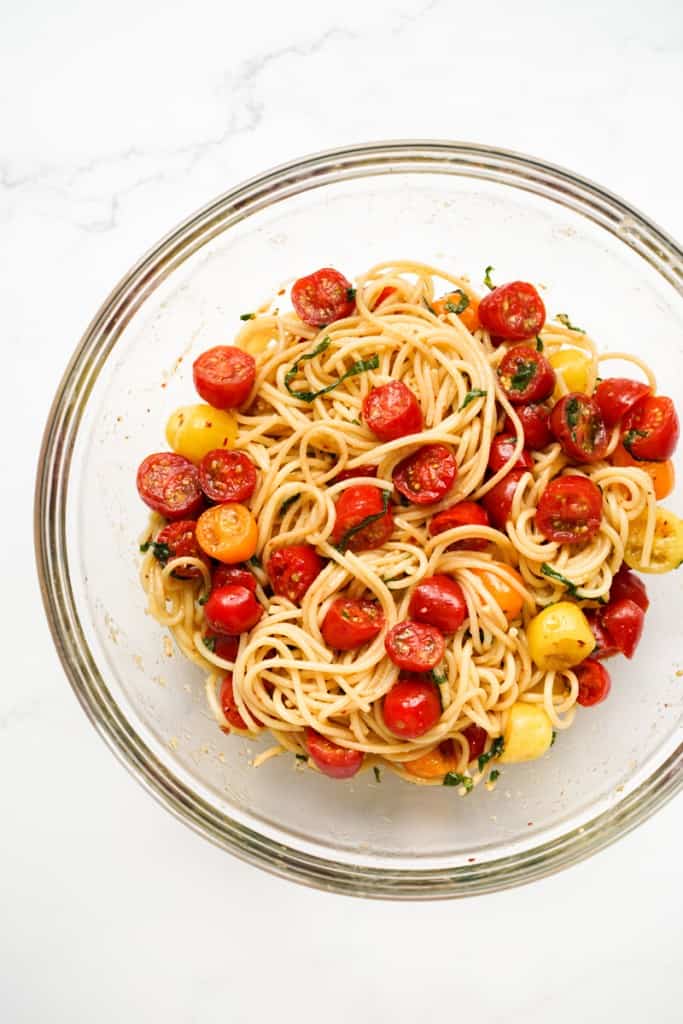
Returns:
point(469, 315)
point(435, 763)
point(662, 473)
point(503, 593)
point(227, 532)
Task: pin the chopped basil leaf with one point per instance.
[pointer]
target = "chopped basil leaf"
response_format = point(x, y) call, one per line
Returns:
point(368, 521)
point(403, 501)
point(470, 397)
point(203, 599)
point(539, 343)
point(161, 552)
point(461, 305)
point(552, 742)
point(495, 774)
point(573, 412)
point(350, 294)
point(247, 316)
point(487, 278)
point(356, 421)
point(378, 777)
point(630, 436)
point(564, 319)
point(301, 757)
point(453, 779)
point(495, 751)
point(288, 502)
point(309, 396)
point(210, 642)
point(523, 376)
point(572, 588)
point(437, 677)
point(255, 561)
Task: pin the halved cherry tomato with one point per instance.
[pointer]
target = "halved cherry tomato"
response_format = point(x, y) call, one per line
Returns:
point(392, 411)
point(594, 682)
point(227, 533)
point(667, 547)
point(225, 574)
point(525, 375)
point(570, 510)
point(512, 311)
point(169, 484)
point(227, 476)
point(224, 376)
point(224, 646)
point(535, 420)
point(509, 600)
point(415, 646)
point(229, 705)
point(331, 759)
point(435, 763)
point(604, 645)
point(363, 520)
point(627, 584)
point(623, 621)
point(427, 475)
point(181, 540)
point(578, 425)
point(661, 473)
point(476, 738)
point(465, 513)
point(411, 707)
point(498, 501)
point(291, 570)
point(454, 302)
point(438, 600)
point(651, 429)
point(501, 451)
point(367, 472)
point(616, 395)
point(351, 623)
point(232, 610)
point(385, 294)
point(323, 297)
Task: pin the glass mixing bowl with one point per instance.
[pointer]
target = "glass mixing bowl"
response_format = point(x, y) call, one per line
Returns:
point(456, 205)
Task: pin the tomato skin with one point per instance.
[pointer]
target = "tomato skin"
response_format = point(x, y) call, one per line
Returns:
point(439, 601)
point(224, 646)
point(498, 501)
point(465, 513)
point(469, 315)
point(181, 540)
point(604, 645)
point(627, 584)
point(662, 473)
point(331, 759)
point(435, 763)
point(227, 476)
point(502, 450)
point(232, 610)
point(415, 646)
point(623, 620)
point(578, 425)
point(293, 569)
point(391, 411)
point(225, 574)
point(169, 484)
point(501, 592)
point(353, 506)
point(411, 707)
point(427, 475)
point(525, 375)
point(224, 376)
point(322, 297)
point(361, 472)
point(570, 510)
point(616, 395)
point(512, 311)
point(229, 705)
point(594, 682)
point(228, 532)
point(350, 623)
point(476, 737)
point(535, 420)
point(386, 293)
point(651, 429)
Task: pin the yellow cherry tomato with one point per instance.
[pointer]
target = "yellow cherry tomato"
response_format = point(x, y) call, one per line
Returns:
point(194, 430)
point(503, 593)
point(667, 546)
point(559, 637)
point(435, 763)
point(227, 532)
point(255, 338)
point(527, 735)
point(575, 368)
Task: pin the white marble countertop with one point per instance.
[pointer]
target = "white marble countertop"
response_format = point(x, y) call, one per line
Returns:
point(117, 121)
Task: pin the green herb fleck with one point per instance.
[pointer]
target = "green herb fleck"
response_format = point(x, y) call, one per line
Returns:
point(437, 677)
point(495, 750)
point(210, 643)
point(539, 343)
point(552, 742)
point(462, 304)
point(523, 375)
point(456, 779)
point(203, 599)
point(356, 421)
point(487, 278)
point(309, 396)
point(378, 777)
point(161, 552)
point(247, 316)
point(630, 437)
point(495, 774)
point(288, 502)
point(368, 521)
point(301, 757)
point(573, 412)
point(351, 294)
point(564, 319)
point(470, 397)
point(255, 561)
point(572, 588)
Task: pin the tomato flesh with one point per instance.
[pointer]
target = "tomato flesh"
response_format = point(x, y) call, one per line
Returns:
point(476, 738)
point(501, 451)
point(227, 476)
point(439, 601)
point(578, 425)
point(627, 584)
point(181, 540)
point(322, 297)
point(232, 610)
point(169, 484)
point(224, 376)
point(229, 705)
point(525, 375)
point(427, 475)
point(616, 395)
point(594, 682)
point(361, 472)
point(291, 570)
point(391, 411)
point(223, 646)
point(535, 420)
point(651, 429)
point(604, 645)
point(363, 519)
point(570, 510)
point(465, 513)
point(331, 759)
point(415, 646)
point(225, 574)
point(512, 312)
point(498, 501)
point(623, 621)
point(411, 707)
point(350, 623)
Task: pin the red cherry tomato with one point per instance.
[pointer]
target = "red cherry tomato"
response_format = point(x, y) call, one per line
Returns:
point(415, 646)
point(427, 475)
point(229, 705)
point(362, 521)
point(181, 540)
point(291, 570)
point(169, 484)
point(513, 311)
point(323, 297)
point(225, 574)
point(623, 620)
point(594, 682)
point(570, 510)
point(363, 472)
point(616, 395)
point(331, 759)
point(476, 737)
point(578, 425)
point(232, 610)
point(627, 584)
point(439, 600)
point(498, 501)
point(411, 707)
point(525, 375)
point(350, 623)
point(604, 646)
point(383, 296)
point(392, 411)
point(224, 646)
point(465, 513)
point(651, 429)
point(501, 451)
point(535, 420)
point(227, 476)
point(224, 376)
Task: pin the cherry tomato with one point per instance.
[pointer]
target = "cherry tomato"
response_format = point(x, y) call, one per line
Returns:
point(452, 301)
point(438, 600)
point(651, 429)
point(360, 505)
point(535, 420)
point(383, 296)
point(525, 375)
point(415, 646)
point(513, 311)
point(427, 475)
point(227, 476)
point(224, 646)
point(662, 474)
point(392, 411)
point(627, 584)
point(465, 513)
point(577, 424)
point(169, 484)
point(323, 297)
point(604, 646)
point(181, 540)
point(616, 395)
point(501, 451)
point(623, 620)
point(476, 737)
point(435, 763)
point(498, 501)
point(228, 533)
point(229, 705)
point(224, 376)
point(331, 759)
point(570, 510)
point(360, 472)
point(508, 599)
point(594, 682)
point(350, 623)
point(411, 707)
point(291, 570)
point(232, 610)
point(224, 574)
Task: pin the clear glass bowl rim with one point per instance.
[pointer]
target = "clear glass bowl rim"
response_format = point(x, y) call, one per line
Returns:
point(501, 166)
